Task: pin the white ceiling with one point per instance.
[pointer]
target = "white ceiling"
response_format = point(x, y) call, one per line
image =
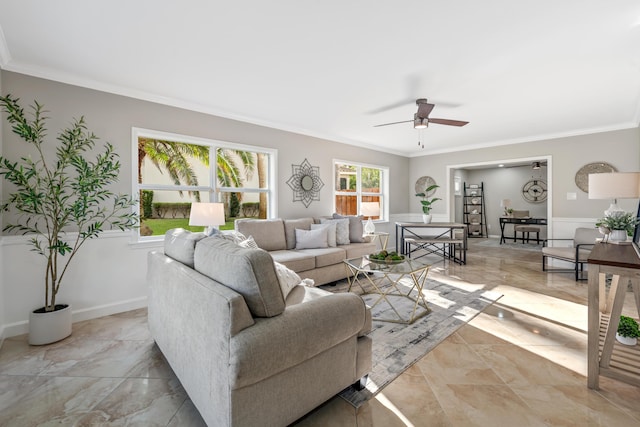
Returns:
point(516, 70)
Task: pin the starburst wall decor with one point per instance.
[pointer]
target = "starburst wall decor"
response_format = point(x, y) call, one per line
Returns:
point(305, 182)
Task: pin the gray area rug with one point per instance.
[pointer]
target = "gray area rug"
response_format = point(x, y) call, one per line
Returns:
point(397, 346)
point(495, 243)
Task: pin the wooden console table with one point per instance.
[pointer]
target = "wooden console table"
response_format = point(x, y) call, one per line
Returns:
point(606, 356)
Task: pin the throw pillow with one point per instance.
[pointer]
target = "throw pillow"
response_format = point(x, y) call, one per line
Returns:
point(356, 229)
point(331, 232)
point(311, 239)
point(232, 236)
point(342, 229)
point(288, 278)
point(249, 243)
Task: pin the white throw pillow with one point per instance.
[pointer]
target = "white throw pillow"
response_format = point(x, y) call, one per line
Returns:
point(249, 243)
point(311, 239)
point(342, 229)
point(288, 278)
point(331, 232)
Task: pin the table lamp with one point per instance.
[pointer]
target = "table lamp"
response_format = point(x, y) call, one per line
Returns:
point(614, 186)
point(506, 204)
point(207, 214)
point(370, 209)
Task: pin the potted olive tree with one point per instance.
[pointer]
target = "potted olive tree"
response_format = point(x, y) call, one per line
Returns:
point(59, 203)
point(628, 331)
point(427, 202)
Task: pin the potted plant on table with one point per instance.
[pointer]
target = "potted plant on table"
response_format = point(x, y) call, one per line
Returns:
point(628, 331)
point(619, 224)
point(60, 203)
point(427, 202)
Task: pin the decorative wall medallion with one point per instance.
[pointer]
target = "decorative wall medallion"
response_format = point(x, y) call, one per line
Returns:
point(582, 176)
point(535, 191)
point(305, 182)
point(424, 182)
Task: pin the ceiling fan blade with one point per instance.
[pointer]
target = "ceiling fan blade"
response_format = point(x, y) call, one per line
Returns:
point(394, 123)
point(424, 110)
point(393, 106)
point(448, 122)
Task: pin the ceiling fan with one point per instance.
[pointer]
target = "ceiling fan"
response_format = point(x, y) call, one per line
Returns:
point(421, 119)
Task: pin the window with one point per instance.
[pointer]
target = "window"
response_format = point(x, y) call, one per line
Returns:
point(172, 171)
point(361, 189)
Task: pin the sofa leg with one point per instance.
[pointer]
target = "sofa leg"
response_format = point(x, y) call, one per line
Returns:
point(361, 383)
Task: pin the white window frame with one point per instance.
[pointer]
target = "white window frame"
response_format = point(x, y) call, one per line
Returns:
point(383, 193)
point(213, 189)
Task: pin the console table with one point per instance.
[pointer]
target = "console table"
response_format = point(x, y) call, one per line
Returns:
point(605, 356)
point(504, 220)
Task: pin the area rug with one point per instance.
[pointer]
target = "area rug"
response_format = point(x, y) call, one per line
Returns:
point(397, 346)
point(510, 244)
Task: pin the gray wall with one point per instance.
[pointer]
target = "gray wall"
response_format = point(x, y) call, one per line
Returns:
point(111, 117)
point(506, 183)
point(620, 148)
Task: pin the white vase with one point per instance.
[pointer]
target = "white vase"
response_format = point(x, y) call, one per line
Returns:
point(626, 340)
point(618, 236)
point(48, 327)
point(426, 218)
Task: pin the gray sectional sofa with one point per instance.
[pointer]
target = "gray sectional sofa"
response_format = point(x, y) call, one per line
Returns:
point(323, 264)
point(246, 351)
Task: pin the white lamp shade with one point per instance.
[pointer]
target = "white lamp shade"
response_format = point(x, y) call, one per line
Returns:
point(617, 185)
point(369, 209)
point(505, 203)
point(207, 214)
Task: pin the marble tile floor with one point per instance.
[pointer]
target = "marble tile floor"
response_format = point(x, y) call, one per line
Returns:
point(521, 362)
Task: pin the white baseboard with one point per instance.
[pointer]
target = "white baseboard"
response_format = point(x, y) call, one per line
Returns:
point(22, 327)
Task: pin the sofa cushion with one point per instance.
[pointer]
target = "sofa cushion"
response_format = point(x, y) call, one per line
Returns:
point(250, 272)
point(290, 226)
point(356, 250)
point(268, 233)
point(331, 233)
point(327, 256)
point(296, 260)
point(356, 229)
point(309, 239)
point(342, 229)
point(180, 244)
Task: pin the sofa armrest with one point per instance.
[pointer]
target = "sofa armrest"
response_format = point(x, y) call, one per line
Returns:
point(301, 332)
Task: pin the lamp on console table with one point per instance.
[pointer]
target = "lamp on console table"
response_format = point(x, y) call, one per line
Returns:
point(614, 186)
point(506, 204)
point(619, 185)
point(370, 209)
point(207, 214)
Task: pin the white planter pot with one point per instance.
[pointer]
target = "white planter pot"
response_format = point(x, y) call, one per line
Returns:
point(626, 340)
point(426, 218)
point(48, 327)
point(618, 236)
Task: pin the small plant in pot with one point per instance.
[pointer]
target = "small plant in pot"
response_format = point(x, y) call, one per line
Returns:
point(427, 202)
point(620, 224)
point(59, 203)
point(628, 331)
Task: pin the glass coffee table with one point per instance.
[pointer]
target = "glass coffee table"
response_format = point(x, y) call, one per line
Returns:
point(386, 281)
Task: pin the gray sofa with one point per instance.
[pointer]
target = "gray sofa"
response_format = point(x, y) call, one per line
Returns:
point(245, 354)
point(323, 265)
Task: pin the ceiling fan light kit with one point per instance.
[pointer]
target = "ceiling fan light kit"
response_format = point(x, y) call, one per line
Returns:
point(421, 119)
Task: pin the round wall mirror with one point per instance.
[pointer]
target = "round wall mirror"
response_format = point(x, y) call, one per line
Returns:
point(306, 183)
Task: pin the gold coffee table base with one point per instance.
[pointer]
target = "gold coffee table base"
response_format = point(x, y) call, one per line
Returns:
point(386, 283)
